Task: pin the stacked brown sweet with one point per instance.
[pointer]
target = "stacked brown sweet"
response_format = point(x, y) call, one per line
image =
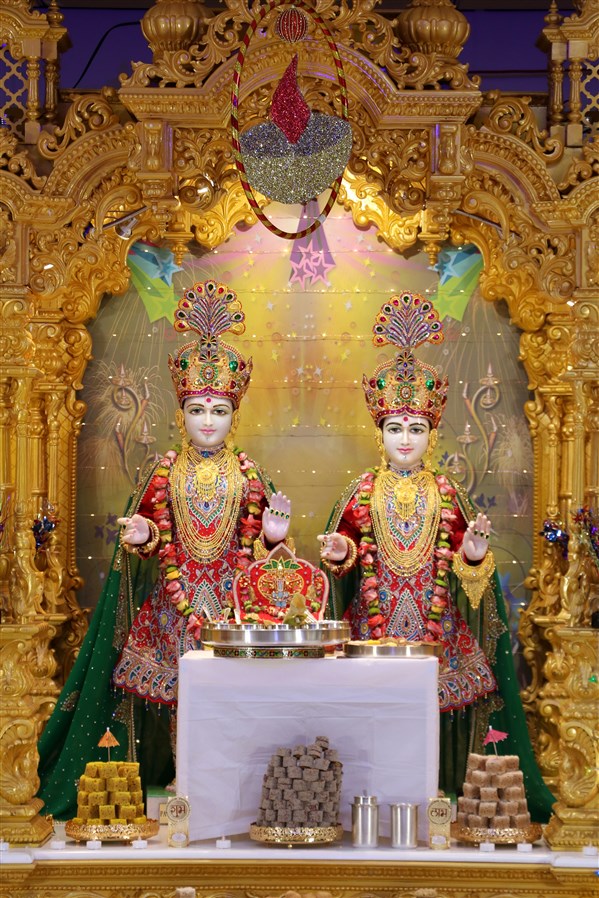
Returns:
point(302, 787)
point(110, 793)
point(494, 796)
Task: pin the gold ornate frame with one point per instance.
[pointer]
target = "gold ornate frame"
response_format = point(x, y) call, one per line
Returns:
point(433, 160)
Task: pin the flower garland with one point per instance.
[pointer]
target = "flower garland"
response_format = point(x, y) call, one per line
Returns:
point(171, 561)
point(367, 550)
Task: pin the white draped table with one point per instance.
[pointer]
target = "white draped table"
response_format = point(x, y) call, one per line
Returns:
point(381, 715)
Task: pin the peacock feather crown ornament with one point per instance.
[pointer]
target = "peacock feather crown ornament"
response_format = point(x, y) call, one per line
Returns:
point(209, 365)
point(406, 385)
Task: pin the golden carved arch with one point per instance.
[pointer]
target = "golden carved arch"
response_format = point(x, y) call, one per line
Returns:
point(427, 166)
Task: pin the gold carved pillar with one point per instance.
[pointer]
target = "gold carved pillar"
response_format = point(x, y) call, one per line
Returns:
point(571, 697)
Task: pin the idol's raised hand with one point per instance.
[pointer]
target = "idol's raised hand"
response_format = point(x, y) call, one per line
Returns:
point(476, 538)
point(334, 546)
point(136, 530)
point(275, 520)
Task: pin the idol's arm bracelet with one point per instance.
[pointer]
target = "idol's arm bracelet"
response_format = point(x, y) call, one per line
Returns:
point(339, 568)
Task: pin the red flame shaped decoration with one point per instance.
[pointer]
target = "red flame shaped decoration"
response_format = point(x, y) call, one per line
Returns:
point(289, 110)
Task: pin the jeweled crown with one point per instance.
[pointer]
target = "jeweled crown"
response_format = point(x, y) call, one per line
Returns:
point(406, 385)
point(209, 365)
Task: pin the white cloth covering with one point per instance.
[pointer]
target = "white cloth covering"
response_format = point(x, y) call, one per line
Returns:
point(381, 715)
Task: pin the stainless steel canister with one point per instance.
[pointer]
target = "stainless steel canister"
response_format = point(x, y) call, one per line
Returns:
point(365, 821)
point(404, 825)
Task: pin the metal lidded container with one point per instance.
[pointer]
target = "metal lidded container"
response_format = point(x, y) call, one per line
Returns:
point(404, 825)
point(365, 821)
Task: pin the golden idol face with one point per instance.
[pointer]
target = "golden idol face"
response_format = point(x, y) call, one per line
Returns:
point(208, 420)
point(405, 438)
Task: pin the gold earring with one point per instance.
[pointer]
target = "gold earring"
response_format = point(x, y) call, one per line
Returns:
point(230, 437)
point(428, 455)
point(378, 437)
point(180, 422)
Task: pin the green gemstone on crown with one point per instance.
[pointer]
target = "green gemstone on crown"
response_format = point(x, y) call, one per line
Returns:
point(430, 383)
point(184, 364)
point(233, 365)
point(381, 383)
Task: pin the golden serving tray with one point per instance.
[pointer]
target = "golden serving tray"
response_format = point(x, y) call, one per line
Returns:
point(222, 634)
point(476, 835)
point(295, 835)
point(117, 832)
point(372, 649)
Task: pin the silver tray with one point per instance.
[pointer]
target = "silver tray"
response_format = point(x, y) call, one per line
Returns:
point(388, 650)
point(327, 632)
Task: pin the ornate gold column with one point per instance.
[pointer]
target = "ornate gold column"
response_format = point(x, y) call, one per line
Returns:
point(571, 697)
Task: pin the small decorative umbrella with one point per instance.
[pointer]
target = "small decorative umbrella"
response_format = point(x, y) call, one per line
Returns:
point(494, 736)
point(108, 741)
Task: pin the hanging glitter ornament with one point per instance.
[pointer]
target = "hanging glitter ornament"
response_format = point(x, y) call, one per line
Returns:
point(292, 25)
point(282, 169)
point(298, 154)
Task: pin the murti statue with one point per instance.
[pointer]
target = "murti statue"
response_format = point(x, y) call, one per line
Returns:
point(409, 557)
point(189, 528)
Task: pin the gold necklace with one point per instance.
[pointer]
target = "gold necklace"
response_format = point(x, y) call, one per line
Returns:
point(401, 495)
point(204, 474)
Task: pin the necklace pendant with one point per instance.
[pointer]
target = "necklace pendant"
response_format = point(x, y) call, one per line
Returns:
point(405, 493)
point(206, 476)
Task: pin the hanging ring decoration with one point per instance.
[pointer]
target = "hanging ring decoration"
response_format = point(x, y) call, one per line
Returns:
point(247, 188)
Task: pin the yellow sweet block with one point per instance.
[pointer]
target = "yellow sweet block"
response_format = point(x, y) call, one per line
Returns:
point(127, 767)
point(133, 782)
point(91, 769)
point(78, 821)
point(82, 799)
point(120, 797)
point(107, 811)
point(127, 811)
point(140, 820)
point(94, 821)
point(139, 809)
point(117, 784)
point(116, 820)
point(137, 797)
point(92, 784)
point(97, 798)
point(83, 812)
point(108, 768)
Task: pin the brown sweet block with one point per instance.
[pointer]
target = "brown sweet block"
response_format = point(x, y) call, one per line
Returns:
point(306, 761)
point(266, 804)
point(328, 776)
point(520, 821)
point(462, 818)
point(284, 816)
point(496, 765)
point(298, 817)
point(488, 793)
point(305, 795)
point(321, 763)
point(505, 780)
point(500, 821)
point(480, 778)
point(295, 773)
point(469, 805)
point(269, 781)
point(315, 817)
point(512, 762)
point(318, 786)
point(471, 791)
point(299, 750)
point(508, 807)
point(476, 762)
point(284, 782)
point(270, 816)
point(475, 821)
point(309, 775)
point(523, 806)
point(513, 793)
point(487, 808)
